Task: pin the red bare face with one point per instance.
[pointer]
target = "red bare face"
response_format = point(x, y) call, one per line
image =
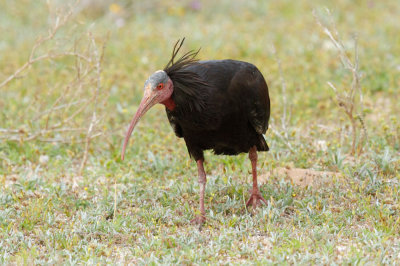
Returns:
point(158, 89)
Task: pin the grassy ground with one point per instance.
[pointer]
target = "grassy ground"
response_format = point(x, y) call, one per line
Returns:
point(51, 213)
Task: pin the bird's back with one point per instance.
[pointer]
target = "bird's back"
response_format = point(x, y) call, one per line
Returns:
point(236, 110)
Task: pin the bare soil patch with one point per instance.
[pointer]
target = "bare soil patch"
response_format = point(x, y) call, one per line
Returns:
point(299, 176)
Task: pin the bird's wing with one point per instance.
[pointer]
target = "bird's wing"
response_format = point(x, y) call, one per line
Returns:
point(174, 124)
point(250, 85)
point(258, 118)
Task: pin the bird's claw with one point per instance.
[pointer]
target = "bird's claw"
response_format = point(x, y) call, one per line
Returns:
point(255, 200)
point(199, 220)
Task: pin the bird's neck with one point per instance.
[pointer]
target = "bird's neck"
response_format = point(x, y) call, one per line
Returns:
point(169, 103)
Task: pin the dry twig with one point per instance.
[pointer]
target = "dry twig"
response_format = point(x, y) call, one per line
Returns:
point(61, 20)
point(347, 96)
point(62, 118)
point(98, 57)
point(284, 118)
point(283, 134)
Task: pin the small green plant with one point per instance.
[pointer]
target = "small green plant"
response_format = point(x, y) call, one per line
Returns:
point(385, 162)
point(337, 158)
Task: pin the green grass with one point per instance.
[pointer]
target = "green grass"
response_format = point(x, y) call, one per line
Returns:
point(50, 214)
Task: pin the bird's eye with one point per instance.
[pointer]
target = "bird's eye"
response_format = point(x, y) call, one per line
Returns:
point(160, 86)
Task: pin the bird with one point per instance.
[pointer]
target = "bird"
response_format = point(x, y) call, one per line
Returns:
point(219, 105)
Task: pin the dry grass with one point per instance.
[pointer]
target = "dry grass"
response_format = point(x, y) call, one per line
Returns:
point(66, 99)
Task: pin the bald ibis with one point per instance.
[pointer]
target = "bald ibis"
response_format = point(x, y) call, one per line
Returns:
point(221, 105)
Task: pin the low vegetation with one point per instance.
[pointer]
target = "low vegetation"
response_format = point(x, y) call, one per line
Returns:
point(71, 78)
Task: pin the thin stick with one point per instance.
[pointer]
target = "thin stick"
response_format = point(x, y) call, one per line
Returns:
point(115, 198)
point(284, 140)
point(93, 122)
point(346, 98)
point(60, 21)
point(284, 95)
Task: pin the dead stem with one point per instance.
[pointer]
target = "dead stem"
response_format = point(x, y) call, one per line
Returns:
point(346, 97)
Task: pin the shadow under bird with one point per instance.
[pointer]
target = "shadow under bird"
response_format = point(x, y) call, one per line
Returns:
point(221, 105)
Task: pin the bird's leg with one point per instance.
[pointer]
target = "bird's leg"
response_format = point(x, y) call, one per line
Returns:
point(256, 198)
point(201, 219)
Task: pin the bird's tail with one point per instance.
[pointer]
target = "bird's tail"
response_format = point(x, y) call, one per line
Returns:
point(262, 144)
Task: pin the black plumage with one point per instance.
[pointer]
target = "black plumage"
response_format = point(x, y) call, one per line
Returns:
point(222, 105)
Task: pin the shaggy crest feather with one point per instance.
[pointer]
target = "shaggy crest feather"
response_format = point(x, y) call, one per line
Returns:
point(189, 88)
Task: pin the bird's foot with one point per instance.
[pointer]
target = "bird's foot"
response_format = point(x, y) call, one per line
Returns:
point(199, 220)
point(256, 199)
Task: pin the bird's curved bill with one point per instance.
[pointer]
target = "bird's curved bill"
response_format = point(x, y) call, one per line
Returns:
point(148, 101)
